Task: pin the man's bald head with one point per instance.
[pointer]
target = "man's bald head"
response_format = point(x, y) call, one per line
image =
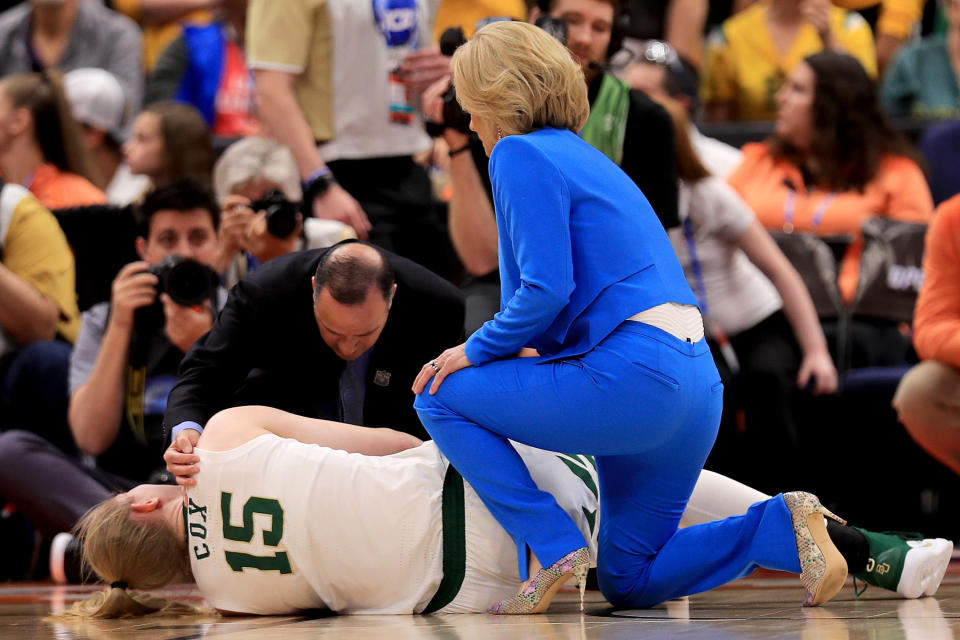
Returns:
point(350, 270)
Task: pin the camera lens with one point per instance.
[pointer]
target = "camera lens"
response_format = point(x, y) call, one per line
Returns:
point(190, 283)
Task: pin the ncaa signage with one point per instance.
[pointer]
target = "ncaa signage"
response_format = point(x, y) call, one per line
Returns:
point(397, 20)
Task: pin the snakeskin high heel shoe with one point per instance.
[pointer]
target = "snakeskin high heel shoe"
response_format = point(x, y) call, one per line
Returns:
point(822, 569)
point(535, 596)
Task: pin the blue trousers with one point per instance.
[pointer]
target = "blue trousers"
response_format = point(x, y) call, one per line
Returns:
point(648, 406)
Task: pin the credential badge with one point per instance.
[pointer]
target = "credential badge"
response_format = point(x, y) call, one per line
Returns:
point(382, 378)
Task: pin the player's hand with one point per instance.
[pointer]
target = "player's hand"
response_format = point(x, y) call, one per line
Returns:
point(439, 368)
point(132, 289)
point(337, 204)
point(818, 365)
point(184, 325)
point(180, 458)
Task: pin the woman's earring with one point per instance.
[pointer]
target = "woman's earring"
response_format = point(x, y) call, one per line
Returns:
point(499, 133)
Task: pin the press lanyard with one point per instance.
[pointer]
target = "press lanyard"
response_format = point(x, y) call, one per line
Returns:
point(701, 289)
point(726, 349)
point(789, 209)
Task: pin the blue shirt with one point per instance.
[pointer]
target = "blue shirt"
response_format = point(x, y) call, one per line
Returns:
point(581, 250)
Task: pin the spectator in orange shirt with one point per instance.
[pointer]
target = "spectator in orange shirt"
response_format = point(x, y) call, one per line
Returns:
point(928, 399)
point(833, 162)
point(40, 144)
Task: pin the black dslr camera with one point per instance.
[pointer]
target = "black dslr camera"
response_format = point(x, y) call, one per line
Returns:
point(186, 281)
point(453, 116)
point(281, 213)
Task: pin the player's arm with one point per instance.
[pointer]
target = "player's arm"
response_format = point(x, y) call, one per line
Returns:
point(236, 426)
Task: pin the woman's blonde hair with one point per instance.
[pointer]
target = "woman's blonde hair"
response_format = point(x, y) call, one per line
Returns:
point(55, 130)
point(521, 79)
point(128, 553)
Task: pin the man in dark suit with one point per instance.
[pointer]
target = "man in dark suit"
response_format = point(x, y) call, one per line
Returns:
point(337, 333)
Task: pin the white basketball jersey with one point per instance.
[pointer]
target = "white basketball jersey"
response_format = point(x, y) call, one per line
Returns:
point(277, 526)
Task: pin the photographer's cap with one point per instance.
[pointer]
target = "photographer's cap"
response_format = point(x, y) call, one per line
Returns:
point(97, 100)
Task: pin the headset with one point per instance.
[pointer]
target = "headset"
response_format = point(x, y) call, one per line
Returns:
point(619, 29)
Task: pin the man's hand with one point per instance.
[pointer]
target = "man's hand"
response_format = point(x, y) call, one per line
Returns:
point(233, 224)
point(185, 324)
point(180, 458)
point(131, 290)
point(232, 236)
point(422, 68)
point(337, 204)
point(439, 368)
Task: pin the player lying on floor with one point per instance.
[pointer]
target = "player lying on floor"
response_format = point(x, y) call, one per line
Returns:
point(277, 524)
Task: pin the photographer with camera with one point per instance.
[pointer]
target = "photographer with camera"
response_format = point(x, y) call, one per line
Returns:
point(123, 366)
point(258, 188)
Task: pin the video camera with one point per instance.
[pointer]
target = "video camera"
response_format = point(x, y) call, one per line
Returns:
point(452, 39)
point(281, 213)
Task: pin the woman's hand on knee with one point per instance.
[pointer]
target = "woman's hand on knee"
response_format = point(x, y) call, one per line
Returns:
point(440, 367)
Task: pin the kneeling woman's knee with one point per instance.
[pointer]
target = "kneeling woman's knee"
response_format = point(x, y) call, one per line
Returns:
point(623, 589)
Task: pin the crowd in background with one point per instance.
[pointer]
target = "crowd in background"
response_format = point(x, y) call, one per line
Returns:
point(231, 132)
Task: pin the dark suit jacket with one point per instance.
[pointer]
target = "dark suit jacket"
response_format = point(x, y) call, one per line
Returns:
point(265, 348)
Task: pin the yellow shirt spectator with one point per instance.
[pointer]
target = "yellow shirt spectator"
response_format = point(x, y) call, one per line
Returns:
point(466, 13)
point(744, 66)
point(157, 37)
point(35, 249)
point(897, 17)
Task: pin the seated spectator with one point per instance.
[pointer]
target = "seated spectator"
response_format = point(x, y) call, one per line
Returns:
point(72, 34)
point(657, 70)
point(170, 142)
point(467, 13)
point(39, 318)
point(897, 19)
point(121, 371)
point(753, 52)
point(40, 144)
point(761, 322)
point(922, 82)
point(248, 171)
point(928, 398)
point(206, 67)
point(98, 104)
point(678, 22)
point(833, 162)
point(940, 145)
point(162, 20)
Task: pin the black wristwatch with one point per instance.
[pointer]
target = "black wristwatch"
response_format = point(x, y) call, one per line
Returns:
point(317, 184)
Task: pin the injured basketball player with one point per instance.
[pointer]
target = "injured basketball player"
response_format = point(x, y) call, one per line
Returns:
point(292, 514)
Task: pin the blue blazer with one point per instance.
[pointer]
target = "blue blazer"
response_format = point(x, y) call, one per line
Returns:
point(581, 250)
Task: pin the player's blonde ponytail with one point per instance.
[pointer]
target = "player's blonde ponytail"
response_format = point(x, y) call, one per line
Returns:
point(128, 553)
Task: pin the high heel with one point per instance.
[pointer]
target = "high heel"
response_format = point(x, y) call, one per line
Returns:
point(535, 596)
point(822, 569)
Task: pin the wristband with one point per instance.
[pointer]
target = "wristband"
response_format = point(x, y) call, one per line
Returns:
point(317, 184)
point(454, 152)
point(187, 424)
point(319, 173)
